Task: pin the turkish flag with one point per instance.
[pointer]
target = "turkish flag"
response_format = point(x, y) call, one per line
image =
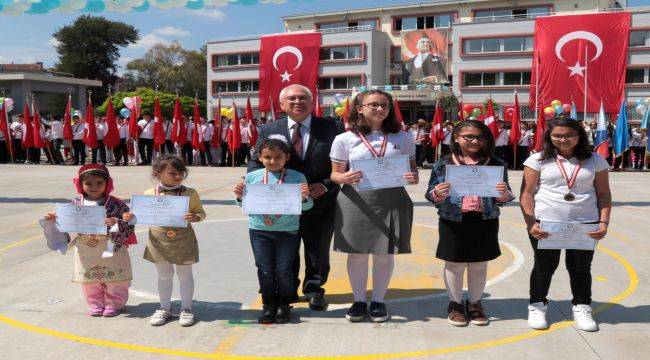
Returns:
point(285, 60)
point(67, 120)
point(216, 133)
point(437, 134)
point(179, 131)
point(158, 129)
point(490, 120)
point(576, 49)
point(90, 134)
point(112, 138)
point(28, 136)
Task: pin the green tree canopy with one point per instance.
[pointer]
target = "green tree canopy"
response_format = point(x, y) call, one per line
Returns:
point(170, 68)
point(148, 95)
point(89, 49)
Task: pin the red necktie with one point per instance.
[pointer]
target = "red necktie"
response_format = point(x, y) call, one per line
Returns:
point(296, 139)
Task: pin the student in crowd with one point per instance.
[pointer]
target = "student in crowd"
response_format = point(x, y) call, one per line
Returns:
point(244, 150)
point(226, 159)
point(523, 146)
point(16, 129)
point(169, 144)
point(501, 143)
point(78, 146)
point(145, 141)
point(102, 130)
point(207, 133)
point(121, 151)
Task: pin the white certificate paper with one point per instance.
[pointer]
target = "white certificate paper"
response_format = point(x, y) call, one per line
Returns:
point(468, 180)
point(280, 199)
point(567, 235)
point(382, 172)
point(81, 219)
point(160, 210)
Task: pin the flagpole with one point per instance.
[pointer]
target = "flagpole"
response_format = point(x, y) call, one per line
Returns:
point(586, 90)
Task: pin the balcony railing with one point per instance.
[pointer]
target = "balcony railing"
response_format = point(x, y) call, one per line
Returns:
point(347, 29)
point(501, 18)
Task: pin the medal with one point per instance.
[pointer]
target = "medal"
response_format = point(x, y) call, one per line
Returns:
point(268, 221)
point(171, 233)
point(371, 148)
point(569, 180)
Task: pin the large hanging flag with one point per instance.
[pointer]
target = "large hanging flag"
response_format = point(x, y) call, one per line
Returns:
point(287, 59)
point(90, 134)
point(515, 124)
point(179, 130)
point(540, 129)
point(601, 138)
point(621, 134)
point(28, 136)
point(234, 132)
point(583, 54)
point(490, 120)
point(437, 134)
point(67, 120)
point(216, 133)
point(158, 129)
point(112, 138)
point(134, 128)
point(38, 129)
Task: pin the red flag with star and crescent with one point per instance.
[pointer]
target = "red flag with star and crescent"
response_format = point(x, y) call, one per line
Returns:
point(287, 59)
point(570, 48)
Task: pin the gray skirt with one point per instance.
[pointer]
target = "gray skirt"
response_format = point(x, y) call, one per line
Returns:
point(373, 221)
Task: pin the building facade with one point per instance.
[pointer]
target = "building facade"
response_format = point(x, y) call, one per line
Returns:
point(490, 47)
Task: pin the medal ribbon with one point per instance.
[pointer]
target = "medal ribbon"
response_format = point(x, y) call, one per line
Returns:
point(457, 161)
point(179, 190)
point(574, 175)
point(265, 180)
point(372, 150)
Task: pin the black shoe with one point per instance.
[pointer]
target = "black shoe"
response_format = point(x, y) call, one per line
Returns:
point(268, 314)
point(378, 312)
point(293, 298)
point(317, 303)
point(357, 311)
point(283, 315)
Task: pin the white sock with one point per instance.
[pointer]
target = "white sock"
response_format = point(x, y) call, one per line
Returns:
point(186, 280)
point(454, 280)
point(382, 270)
point(476, 278)
point(165, 284)
point(358, 275)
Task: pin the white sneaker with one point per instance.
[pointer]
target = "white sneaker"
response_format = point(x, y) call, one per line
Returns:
point(537, 316)
point(582, 317)
point(186, 318)
point(160, 317)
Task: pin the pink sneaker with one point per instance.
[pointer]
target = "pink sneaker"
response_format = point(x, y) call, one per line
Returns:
point(111, 312)
point(96, 311)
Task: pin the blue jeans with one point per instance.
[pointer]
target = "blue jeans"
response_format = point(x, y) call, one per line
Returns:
point(274, 253)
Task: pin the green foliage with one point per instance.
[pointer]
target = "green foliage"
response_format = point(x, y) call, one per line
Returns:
point(448, 102)
point(89, 49)
point(148, 95)
point(495, 105)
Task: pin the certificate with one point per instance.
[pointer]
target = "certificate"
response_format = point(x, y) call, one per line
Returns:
point(279, 199)
point(160, 210)
point(567, 235)
point(81, 219)
point(468, 180)
point(382, 172)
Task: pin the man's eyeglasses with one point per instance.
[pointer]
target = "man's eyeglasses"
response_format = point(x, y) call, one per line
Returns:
point(375, 106)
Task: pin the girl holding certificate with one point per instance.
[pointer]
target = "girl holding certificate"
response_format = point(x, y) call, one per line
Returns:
point(173, 246)
point(468, 227)
point(565, 182)
point(274, 238)
point(101, 262)
point(377, 221)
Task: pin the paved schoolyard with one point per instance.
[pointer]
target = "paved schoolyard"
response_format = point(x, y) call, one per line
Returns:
point(42, 314)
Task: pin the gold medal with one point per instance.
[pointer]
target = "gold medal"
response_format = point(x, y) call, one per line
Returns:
point(171, 233)
point(569, 197)
point(268, 222)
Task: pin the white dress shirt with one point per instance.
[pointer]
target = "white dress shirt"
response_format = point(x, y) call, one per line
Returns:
point(147, 128)
point(102, 130)
point(56, 128)
point(245, 134)
point(78, 131)
point(17, 130)
point(525, 137)
point(304, 131)
point(190, 129)
point(206, 130)
point(502, 139)
point(123, 130)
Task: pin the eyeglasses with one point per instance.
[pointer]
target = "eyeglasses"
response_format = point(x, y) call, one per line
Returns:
point(296, 98)
point(566, 137)
point(470, 138)
point(375, 106)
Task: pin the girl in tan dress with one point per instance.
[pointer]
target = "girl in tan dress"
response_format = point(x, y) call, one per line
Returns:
point(105, 278)
point(169, 246)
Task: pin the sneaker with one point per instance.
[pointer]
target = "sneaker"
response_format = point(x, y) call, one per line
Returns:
point(456, 314)
point(186, 318)
point(582, 317)
point(108, 312)
point(160, 317)
point(537, 316)
point(476, 314)
point(378, 312)
point(96, 311)
point(357, 311)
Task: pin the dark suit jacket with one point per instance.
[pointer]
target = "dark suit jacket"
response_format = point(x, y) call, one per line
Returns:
point(316, 166)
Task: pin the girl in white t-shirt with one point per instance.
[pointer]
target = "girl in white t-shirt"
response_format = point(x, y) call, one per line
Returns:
point(565, 182)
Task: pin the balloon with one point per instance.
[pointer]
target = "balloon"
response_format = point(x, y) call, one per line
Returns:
point(9, 107)
point(476, 112)
point(638, 101)
point(465, 114)
point(549, 112)
point(566, 108)
point(9, 102)
point(641, 108)
point(227, 112)
point(339, 97)
point(647, 101)
point(362, 88)
point(558, 110)
point(128, 102)
point(555, 103)
point(468, 108)
point(125, 113)
point(339, 111)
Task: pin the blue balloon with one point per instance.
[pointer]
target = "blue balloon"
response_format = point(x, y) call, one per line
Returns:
point(144, 7)
point(558, 110)
point(125, 113)
point(194, 5)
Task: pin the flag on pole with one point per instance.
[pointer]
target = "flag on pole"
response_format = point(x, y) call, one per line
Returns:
point(197, 135)
point(490, 120)
point(601, 141)
point(216, 133)
point(90, 134)
point(179, 130)
point(134, 128)
point(158, 129)
point(621, 134)
point(461, 113)
point(28, 136)
point(112, 138)
point(234, 132)
point(398, 112)
point(437, 134)
point(515, 133)
point(67, 120)
point(38, 138)
point(4, 127)
point(540, 129)
point(252, 129)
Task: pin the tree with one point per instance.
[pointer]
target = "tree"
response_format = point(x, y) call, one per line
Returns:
point(90, 47)
point(148, 95)
point(170, 68)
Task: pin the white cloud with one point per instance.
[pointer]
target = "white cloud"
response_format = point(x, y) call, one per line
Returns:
point(209, 13)
point(54, 42)
point(171, 31)
point(149, 40)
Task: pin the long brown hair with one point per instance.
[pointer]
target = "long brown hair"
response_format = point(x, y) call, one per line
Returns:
point(582, 151)
point(487, 151)
point(358, 124)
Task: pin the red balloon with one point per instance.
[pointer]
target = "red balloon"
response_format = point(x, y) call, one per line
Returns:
point(566, 108)
point(468, 108)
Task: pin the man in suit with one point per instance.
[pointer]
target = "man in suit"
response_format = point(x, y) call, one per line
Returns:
point(310, 139)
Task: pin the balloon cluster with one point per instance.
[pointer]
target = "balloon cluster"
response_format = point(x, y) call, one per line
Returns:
point(8, 102)
point(340, 102)
point(130, 103)
point(642, 106)
point(470, 112)
point(228, 112)
point(17, 7)
point(556, 108)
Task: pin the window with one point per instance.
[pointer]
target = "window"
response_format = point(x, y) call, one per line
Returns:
point(339, 82)
point(516, 78)
point(492, 45)
point(226, 60)
point(472, 79)
point(396, 55)
point(500, 78)
point(235, 86)
point(635, 76)
point(396, 80)
point(349, 52)
point(423, 22)
point(519, 13)
point(638, 38)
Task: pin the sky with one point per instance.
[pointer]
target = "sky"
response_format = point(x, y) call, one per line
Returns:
point(28, 38)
